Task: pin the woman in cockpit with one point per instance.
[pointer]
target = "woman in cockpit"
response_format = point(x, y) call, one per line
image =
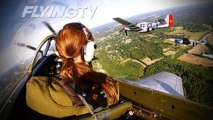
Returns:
point(77, 84)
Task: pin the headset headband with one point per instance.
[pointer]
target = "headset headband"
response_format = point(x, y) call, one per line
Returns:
point(89, 49)
point(84, 29)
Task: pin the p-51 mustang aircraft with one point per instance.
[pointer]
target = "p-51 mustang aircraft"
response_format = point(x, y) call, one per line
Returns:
point(146, 26)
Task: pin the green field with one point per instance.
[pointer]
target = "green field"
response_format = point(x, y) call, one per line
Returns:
point(198, 35)
point(120, 56)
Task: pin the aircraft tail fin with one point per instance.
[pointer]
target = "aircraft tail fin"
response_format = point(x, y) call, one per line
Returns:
point(169, 20)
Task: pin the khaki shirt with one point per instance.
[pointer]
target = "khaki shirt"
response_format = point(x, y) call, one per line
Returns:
point(51, 101)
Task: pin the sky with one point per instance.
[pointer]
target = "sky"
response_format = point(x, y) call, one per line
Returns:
point(102, 11)
point(108, 9)
point(21, 20)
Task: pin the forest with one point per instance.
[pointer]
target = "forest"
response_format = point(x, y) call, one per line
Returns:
point(122, 56)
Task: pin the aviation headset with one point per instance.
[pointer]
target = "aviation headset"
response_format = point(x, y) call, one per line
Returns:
point(89, 50)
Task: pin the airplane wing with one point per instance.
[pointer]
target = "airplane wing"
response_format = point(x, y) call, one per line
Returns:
point(165, 82)
point(122, 21)
point(127, 24)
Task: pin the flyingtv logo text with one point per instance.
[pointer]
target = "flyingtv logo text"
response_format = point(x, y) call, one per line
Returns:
point(58, 12)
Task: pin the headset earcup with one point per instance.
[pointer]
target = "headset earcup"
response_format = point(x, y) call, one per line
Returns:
point(89, 51)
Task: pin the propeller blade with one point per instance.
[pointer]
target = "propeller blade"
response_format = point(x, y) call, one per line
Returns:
point(27, 46)
point(125, 32)
point(121, 30)
point(49, 27)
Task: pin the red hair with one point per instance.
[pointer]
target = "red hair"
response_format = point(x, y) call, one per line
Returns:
point(70, 42)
